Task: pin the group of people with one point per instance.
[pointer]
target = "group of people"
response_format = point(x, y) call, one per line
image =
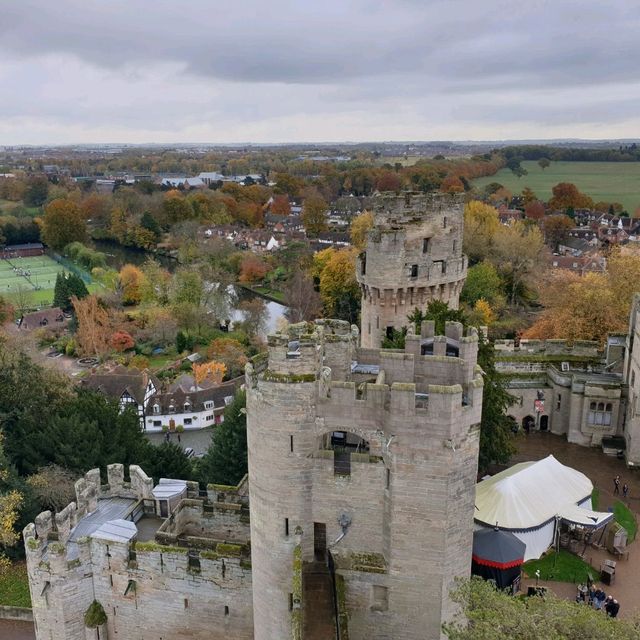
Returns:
point(616, 488)
point(599, 600)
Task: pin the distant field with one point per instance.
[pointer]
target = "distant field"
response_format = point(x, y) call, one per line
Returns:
point(606, 181)
point(38, 283)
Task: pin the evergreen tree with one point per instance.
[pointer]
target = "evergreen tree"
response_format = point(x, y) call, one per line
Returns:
point(167, 460)
point(496, 436)
point(76, 286)
point(149, 222)
point(61, 295)
point(226, 459)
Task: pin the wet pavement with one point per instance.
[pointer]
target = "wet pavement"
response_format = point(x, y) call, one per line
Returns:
point(199, 440)
point(601, 470)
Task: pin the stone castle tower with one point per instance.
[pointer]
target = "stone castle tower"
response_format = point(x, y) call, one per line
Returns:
point(413, 256)
point(364, 461)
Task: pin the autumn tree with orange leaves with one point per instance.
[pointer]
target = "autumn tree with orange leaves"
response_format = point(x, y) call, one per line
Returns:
point(94, 326)
point(208, 371)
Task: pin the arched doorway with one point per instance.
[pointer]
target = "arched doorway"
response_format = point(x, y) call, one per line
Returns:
point(528, 423)
point(343, 444)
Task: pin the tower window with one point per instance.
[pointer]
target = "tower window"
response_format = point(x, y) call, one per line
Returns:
point(388, 478)
point(379, 598)
point(559, 402)
point(444, 222)
point(414, 270)
point(226, 610)
point(455, 245)
point(425, 245)
point(286, 527)
point(291, 444)
point(363, 264)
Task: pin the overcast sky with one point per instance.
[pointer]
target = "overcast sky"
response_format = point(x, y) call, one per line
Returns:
point(317, 70)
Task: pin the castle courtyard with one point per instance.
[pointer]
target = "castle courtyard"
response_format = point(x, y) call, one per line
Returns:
point(601, 470)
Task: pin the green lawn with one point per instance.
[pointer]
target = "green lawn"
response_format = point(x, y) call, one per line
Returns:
point(607, 181)
point(14, 587)
point(625, 517)
point(568, 568)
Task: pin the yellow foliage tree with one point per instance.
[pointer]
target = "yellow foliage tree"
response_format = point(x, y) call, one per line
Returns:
point(360, 228)
point(335, 269)
point(484, 312)
point(589, 307)
point(212, 371)
point(481, 223)
point(94, 326)
point(10, 502)
point(132, 283)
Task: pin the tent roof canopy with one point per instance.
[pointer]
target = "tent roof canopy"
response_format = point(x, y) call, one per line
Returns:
point(498, 549)
point(530, 494)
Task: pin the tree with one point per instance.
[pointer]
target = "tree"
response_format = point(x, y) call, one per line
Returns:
point(131, 280)
point(226, 459)
point(487, 613)
point(556, 230)
point(566, 195)
point(280, 205)
point(388, 181)
point(96, 209)
point(528, 195)
point(359, 230)
point(121, 341)
point(94, 325)
point(481, 224)
point(518, 252)
point(588, 307)
point(22, 298)
point(168, 460)
point(452, 184)
point(303, 301)
point(52, 487)
point(6, 311)
point(212, 372)
point(543, 163)
point(252, 269)
point(339, 290)
point(66, 286)
point(439, 312)
point(149, 223)
point(314, 215)
point(230, 353)
point(534, 210)
point(188, 287)
point(483, 282)
point(496, 437)
point(37, 191)
point(176, 208)
point(11, 501)
point(62, 224)
point(516, 168)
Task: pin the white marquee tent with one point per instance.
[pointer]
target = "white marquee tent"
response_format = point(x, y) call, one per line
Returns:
point(529, 498)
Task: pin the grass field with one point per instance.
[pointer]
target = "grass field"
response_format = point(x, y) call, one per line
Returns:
point(14, 586)
point(561, 567)
point(603, 181)
point(625, 517)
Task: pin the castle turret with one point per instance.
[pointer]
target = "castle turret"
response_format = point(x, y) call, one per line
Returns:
point(366, 460)
point(281, 435)
point(413, 256)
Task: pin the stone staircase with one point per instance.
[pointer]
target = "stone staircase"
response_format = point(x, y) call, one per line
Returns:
point(317, 598)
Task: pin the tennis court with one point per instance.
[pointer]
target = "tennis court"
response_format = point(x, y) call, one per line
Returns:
point(36, 273)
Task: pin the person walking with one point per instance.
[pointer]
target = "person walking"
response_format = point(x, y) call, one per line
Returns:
point(625, 490)
point(616, 486)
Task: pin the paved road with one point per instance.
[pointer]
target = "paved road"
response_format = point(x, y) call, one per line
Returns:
point(16, 630)
point(198, 440)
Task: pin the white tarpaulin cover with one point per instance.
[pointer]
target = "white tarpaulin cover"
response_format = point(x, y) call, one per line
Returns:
point(530, 493)
point(528, 497)
point(584, 517)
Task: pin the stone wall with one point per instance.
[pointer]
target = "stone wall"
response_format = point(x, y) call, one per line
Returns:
point(413, 256)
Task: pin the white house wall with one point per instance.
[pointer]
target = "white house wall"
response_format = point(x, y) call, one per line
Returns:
point(199, 420)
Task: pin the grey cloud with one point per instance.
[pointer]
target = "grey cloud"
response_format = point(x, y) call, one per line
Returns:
point(416, 66)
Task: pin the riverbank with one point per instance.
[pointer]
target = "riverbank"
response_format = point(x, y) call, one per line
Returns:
point(264, 292)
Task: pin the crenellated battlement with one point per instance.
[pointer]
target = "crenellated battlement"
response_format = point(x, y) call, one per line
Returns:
point(391, 209)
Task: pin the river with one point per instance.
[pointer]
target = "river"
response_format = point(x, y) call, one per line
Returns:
point(118, 255)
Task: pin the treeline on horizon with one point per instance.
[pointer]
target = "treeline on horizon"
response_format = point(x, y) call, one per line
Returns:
point(622, 153)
